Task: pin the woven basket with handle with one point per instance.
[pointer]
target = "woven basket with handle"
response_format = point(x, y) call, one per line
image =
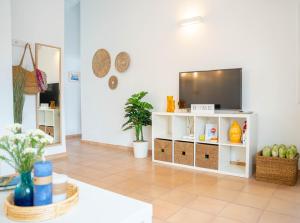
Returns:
point(31, 84)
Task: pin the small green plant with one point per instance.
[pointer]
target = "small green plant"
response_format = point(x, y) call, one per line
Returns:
point(138, 114)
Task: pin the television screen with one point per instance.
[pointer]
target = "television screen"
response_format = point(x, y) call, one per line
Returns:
point(52, 94)
point(220, 87)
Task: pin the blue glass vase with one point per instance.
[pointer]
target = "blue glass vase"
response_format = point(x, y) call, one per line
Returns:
point(23, 195)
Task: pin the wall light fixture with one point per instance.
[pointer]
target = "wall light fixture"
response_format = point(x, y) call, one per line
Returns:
point(191, 21)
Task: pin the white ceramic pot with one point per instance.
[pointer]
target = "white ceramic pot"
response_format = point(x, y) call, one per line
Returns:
point(140, 149)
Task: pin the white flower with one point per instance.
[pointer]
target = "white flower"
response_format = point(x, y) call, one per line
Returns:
point(50, 139)
point(29, 150)
point(15, 128)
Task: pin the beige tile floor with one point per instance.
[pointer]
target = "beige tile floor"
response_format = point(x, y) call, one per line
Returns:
point(179, 195)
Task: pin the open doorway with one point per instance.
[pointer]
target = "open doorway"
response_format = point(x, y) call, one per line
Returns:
point(72, 69)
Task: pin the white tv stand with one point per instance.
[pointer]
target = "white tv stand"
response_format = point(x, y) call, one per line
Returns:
point(172, 127)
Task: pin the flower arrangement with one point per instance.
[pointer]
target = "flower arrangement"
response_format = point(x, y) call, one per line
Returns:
point(22, 149)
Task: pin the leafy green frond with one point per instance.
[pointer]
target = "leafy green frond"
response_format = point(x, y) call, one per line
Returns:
point(137, 113)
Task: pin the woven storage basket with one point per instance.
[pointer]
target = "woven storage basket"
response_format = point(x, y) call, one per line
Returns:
point(277, 170)
point(163, 150)
point(41, 213)
point(184, 153)
point(207, 156)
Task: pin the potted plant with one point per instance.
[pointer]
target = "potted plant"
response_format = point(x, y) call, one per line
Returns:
point(21, 150)
point(138, 114)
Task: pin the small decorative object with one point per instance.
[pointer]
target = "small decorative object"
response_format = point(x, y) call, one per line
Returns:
point(244, 137)
point(23, 150)
point(278, 164)
point(138, 114)
point(101, 63)
point(42, 183)
point(74, 76)
point(235, 132)
point(60, 183)
point(190, 127)
point(41, 213)
point(170, 104)
point(122, 62)
point(52, 104)
point(203, 108)
point(113, 82)
point(202, 138)
point(211, 132)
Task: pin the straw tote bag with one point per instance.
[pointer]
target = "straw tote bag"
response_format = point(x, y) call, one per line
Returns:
point(31, 85)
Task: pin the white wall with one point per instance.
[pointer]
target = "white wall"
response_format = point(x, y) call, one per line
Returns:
point(6, 88)
point(38, 21)
point(72, 64)
point(260, 36)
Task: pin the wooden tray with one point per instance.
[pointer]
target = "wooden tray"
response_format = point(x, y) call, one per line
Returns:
point(41, 213)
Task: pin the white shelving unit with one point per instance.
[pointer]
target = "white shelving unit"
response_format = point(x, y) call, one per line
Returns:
point(176, 126)
point(49, 122)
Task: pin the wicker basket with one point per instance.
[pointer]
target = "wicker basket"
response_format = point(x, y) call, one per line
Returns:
point(184, 153)
point(277, 170)
point(163, 150)
point(41, 213)
point(207, 156)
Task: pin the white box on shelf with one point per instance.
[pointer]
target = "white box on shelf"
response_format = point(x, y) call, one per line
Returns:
point(203, 108)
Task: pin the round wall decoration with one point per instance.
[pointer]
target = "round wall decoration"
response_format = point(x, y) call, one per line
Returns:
point(113, 82)
point(101, 63)
point(122, 62)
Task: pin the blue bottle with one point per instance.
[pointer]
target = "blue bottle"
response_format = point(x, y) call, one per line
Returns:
point(23, 195)
point(42, 193)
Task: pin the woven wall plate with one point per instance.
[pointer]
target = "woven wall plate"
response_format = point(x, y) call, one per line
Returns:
point(122, 62)
point(113, 82)
point(101, 63)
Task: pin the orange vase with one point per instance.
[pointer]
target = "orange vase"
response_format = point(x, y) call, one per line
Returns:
point(170, 104)
point(235, 132)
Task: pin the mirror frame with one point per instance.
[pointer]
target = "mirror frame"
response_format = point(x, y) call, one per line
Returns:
point(37, 45)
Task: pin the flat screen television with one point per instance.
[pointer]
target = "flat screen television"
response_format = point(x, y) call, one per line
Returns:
point(220, 87)
point(52, 94)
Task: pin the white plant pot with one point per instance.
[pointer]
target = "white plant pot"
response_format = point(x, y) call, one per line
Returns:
point(140, 149)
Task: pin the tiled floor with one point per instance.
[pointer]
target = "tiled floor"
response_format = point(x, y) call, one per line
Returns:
point(179, 195)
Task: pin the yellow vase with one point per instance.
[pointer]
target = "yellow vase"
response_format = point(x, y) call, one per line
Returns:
point(235, 132)
point(170, 104)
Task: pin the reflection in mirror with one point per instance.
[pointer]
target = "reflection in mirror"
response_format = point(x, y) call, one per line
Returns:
point(48, 60)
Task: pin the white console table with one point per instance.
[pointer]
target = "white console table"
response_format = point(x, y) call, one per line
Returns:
point(96, 205)
point(173, 127)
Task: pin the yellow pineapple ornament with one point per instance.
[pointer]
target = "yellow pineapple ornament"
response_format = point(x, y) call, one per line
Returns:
point(235, 132)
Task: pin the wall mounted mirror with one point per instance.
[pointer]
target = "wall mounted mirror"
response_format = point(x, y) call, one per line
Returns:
point(48, 60)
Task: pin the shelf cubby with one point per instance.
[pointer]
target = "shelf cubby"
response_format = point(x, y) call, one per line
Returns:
point(183, 127)
point(232, 159)
point(200, 124)
point(225, 124)
point(162, 127)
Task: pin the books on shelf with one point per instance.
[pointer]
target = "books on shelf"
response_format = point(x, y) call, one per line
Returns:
point(9, 182)
point(211, 132)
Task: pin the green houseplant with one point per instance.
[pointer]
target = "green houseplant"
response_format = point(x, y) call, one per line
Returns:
point(138, 115)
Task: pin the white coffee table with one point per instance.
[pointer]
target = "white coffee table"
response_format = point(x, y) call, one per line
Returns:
point(99, 206)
